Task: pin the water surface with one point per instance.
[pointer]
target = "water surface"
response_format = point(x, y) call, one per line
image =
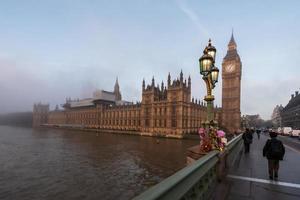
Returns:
point(61, 164)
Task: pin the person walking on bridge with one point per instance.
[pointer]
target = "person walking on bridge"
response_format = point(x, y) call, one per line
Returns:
point(247, 137)
point(258, 131)
point(274, 151)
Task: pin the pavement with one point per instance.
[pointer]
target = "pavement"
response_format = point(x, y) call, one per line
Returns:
point(250, 180)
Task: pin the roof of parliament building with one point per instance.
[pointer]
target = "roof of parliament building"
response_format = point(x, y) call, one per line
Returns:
point(113, 97)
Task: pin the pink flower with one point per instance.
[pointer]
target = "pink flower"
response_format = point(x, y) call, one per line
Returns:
point(220, 133)
point(201, 132)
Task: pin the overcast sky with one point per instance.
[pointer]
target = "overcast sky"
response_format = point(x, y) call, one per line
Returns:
point(50, 50)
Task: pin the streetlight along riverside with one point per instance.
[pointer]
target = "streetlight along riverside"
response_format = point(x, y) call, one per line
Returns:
point(210, 74)
point(210, 137)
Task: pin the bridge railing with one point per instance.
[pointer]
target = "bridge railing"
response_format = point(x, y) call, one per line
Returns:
point(198, 180)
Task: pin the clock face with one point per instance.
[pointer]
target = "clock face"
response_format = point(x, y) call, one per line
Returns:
point(230, 68)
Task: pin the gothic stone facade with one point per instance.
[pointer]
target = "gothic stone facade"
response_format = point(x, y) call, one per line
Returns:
point(166, 110)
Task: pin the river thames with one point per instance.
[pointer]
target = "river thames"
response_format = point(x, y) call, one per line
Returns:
point(64, 164)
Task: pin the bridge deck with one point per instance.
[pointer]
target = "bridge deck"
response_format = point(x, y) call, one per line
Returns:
point(250, 180)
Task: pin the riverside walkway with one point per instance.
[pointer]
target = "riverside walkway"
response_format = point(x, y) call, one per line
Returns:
point(250, 180)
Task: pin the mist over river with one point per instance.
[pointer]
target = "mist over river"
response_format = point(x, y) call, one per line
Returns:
point(64, 164)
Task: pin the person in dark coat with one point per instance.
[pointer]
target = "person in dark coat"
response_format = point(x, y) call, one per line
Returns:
point(247, 137)
point(258, 131)
point(274, 151)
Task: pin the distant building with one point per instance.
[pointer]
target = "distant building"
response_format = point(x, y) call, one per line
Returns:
point(276, 116)
point(40, 114)
point(290, 114)
point(252, 121)
point(167, 110)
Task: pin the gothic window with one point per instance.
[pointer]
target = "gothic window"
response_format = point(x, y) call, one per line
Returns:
point(174, 123)
point(173, 117)
point(147, 116)
point(174, 109)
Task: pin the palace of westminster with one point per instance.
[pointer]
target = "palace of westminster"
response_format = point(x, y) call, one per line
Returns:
point(165, 110)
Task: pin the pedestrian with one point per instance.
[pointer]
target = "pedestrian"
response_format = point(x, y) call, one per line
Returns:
point(235, 134)
point(247, 137)
point(258, 131)
point(274, 151)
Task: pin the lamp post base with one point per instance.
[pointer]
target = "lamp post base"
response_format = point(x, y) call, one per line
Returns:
point(207, 124)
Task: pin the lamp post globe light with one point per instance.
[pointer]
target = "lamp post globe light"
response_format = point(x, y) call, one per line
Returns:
point(210, 75)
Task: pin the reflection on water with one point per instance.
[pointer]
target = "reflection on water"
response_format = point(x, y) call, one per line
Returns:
point(60, 164)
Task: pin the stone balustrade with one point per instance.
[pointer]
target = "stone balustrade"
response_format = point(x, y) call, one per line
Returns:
point(200, 178)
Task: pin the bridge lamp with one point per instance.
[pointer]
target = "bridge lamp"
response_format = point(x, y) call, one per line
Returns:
point(205, 63)
point(211, 50)
point(210, 75)
point(214, 75)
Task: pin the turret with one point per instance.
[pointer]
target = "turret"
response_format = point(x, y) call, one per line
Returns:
point(153, 82)
point(169, 80)
point(40, 114)
point(118, 96)
point(181, 77)
point(143, 87)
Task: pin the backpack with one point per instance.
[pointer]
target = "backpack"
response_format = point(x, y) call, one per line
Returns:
point(248, 138)
point(276, 150)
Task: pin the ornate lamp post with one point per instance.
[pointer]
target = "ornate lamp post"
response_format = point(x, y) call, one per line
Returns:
point(210, 75)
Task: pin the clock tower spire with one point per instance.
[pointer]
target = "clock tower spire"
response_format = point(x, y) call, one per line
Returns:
point(232, 44)
point(231, 88)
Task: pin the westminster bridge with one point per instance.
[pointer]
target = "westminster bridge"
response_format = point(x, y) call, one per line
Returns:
point(233, 175)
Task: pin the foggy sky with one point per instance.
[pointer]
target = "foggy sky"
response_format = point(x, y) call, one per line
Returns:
point(50, 50)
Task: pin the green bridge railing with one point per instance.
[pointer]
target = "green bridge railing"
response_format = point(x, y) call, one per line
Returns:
point(198, 180)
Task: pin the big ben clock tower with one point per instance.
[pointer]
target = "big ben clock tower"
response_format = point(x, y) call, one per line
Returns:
point(231, 88)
